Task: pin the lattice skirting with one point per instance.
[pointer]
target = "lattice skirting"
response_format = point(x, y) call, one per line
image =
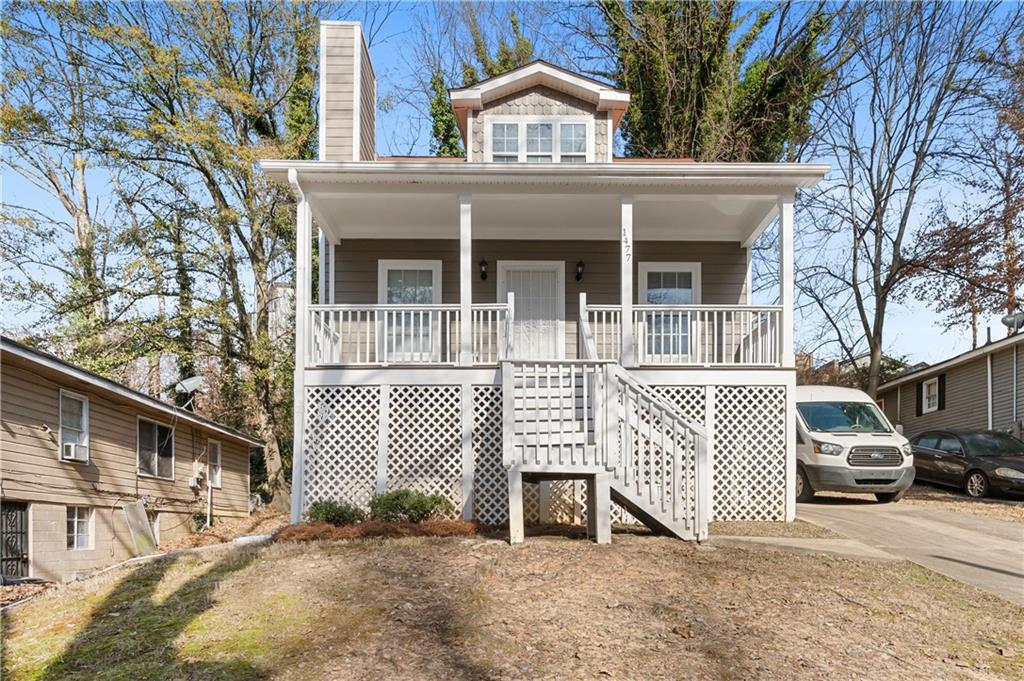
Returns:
point(345, 459)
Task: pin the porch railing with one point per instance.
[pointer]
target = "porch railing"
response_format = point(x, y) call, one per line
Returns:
point(379, 335)
point(679, 335)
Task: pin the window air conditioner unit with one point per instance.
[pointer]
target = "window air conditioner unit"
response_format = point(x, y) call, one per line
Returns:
point(74, 452)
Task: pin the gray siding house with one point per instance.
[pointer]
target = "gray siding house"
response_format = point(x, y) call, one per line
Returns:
point(538, 329)
point(982, 389)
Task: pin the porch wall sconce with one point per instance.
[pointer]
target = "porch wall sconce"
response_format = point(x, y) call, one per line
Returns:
point(579, 270)
point(483, 270)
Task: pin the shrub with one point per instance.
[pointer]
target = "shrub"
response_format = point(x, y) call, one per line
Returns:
point(405, 505)
point(334, 512)
point(199, 520)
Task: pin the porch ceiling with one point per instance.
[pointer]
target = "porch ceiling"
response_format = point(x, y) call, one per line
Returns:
point(672, 201)
point(704, 217)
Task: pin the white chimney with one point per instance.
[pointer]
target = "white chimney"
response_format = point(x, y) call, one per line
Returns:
point(348, 94)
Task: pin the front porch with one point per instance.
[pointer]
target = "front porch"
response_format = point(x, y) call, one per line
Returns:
point(491, 343)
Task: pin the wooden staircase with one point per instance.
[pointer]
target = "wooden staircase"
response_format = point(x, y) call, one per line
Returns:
point(589, 419)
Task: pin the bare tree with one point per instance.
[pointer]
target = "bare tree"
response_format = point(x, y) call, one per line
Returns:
point(890, 129)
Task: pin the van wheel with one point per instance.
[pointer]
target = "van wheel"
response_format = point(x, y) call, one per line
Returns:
point(804, 491)
point(890, 497)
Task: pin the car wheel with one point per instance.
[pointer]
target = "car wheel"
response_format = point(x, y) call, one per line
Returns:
point(804, 491)
point(890, 497)
point(976, 485)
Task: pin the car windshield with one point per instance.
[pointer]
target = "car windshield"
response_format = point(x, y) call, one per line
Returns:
point(843, 417)
point(993, 444)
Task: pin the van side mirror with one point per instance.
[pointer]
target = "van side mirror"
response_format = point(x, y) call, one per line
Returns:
point(899, 428)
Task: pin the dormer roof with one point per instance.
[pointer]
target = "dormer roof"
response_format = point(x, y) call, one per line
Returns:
point(539, 72)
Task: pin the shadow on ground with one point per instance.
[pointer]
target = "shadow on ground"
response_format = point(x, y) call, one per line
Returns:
point(131, 636)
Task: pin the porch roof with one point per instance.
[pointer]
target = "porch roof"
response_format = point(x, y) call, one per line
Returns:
point(673, 201)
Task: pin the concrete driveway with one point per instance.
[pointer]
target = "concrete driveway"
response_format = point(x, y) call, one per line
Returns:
point(985, 552)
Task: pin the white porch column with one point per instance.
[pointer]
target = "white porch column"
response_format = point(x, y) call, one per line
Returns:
point(786, 285)
point(628, 355)
point(303, 289)
point(465, 279)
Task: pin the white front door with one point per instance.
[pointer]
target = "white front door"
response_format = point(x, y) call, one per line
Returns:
point(539, 289)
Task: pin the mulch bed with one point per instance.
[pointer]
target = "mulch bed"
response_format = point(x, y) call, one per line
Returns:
point(306, 532)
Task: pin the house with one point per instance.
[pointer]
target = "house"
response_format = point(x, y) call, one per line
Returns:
point(78, 451)
point(982, 389)
point(539, 329)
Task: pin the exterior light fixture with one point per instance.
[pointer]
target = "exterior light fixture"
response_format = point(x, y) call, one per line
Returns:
point(579, 270)
point(483, 270)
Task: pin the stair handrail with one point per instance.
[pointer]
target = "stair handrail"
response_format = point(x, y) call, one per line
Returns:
point(637, 386)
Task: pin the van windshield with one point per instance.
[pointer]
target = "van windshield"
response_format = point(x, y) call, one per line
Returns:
point(843, 417)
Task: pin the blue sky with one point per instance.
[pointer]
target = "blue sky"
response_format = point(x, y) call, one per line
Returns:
point(912, 329)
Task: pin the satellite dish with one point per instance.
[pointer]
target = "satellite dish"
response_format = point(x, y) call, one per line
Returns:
point(1014, 322)
point(189, 385)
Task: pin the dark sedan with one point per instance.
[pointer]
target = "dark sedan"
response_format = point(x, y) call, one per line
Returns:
point(978, 462)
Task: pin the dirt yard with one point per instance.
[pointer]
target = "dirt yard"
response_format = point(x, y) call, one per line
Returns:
point(645, 607)
point(262, 521)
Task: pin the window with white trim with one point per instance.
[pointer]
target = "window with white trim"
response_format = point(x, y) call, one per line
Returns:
point(79, 528)
point(213, 462)
point(931, 396)
point(539, 147)
point(74, 427)
point(539, 139)
point(156, 449)
point(572, 146)
point(505, 142)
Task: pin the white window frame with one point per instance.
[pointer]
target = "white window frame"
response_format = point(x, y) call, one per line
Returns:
point(89, 527)
point(383, 267)
point(138, 450)
point(85, 426)
point(556, 134)
point(219, 468)
point(924, 395)
point(694, 268)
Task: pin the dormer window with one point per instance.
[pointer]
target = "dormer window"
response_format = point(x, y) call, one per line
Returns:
point(573, 142)
point(505, 142)
point(540, 140)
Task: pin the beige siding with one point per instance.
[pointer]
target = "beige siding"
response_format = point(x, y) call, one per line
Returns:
point(32, 472)
point(723, 266)
point(338, 91)
point(367, 107)
point(540, 100)
point(1002, 389)
point(966, 401)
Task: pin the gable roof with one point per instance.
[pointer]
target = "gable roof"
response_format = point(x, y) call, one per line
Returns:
point(964, 357)
point(54, 363)
point(539, 72)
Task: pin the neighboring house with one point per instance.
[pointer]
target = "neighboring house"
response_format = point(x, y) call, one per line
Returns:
point(982, 389)
point(539, 328)
point(76, 449)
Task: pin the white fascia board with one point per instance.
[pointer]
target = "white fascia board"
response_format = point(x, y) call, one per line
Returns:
point(106, 385)
point(945, 365)
point(780, 174)
point(539, 73)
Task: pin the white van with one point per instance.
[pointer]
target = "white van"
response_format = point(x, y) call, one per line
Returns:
point(844, 443)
